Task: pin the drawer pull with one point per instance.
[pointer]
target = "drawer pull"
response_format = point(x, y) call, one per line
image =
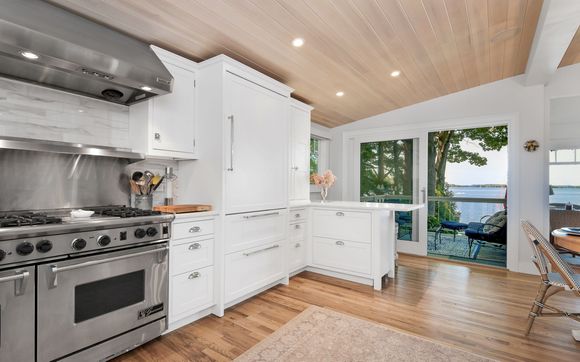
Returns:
point(194, 246)
point(340, 213)
point(297, 216)
point(261, 250)
point(296, 226)
point(194, 275)
point(297, 245)
point(261, 215)
point(195, 229)
point(340, 243)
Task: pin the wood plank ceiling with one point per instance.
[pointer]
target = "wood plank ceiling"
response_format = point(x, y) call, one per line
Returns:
point(572, 55)
point(440, 46)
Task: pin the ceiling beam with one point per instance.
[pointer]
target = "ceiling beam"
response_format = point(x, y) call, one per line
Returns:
point(557, 25)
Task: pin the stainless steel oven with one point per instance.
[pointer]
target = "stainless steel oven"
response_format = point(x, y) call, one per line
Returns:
point(17, 314)
point(89, 302)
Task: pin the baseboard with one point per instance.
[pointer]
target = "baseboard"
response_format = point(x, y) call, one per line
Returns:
point(330, 273)
point(189, 319)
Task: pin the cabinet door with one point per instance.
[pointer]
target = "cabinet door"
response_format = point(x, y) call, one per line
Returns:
point(299, 154)
point(297, 247)
point(256, 140)
point(173, 116)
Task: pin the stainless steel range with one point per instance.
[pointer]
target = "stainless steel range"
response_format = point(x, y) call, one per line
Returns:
point(81, 289)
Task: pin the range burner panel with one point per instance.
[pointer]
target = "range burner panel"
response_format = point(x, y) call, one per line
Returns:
point(27, 219)
point(122, 211)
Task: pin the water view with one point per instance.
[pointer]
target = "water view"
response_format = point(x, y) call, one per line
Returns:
point(563, 195)
point(473, 211)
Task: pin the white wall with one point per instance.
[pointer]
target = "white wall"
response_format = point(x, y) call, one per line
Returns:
point(506, 99)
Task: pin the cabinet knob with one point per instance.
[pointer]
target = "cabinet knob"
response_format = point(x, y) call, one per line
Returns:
point(195, 229)
point(157, 136)
point(297, 245)
point(340, 213)
point(340, 243)
point(297, 216)
point(296, 226)
point(194, 246)
point(194, 275)
point(295, 168)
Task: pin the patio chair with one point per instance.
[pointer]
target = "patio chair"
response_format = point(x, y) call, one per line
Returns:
point(563, 277)
point(493, 230)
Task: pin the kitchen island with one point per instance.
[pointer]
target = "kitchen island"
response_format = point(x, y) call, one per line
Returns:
point(352, 240)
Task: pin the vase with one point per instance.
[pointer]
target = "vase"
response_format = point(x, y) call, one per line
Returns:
point(323, 193)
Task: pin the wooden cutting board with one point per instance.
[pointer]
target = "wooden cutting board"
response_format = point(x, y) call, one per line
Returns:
point(181, 209)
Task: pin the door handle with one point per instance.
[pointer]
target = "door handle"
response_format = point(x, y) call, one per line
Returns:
point(55, 269)
point(260, 215)
point(261, 250)
point(424, 194)
point(20, 280)
point(231, 118)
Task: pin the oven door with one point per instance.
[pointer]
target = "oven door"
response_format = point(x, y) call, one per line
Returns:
point(85, 301)
point(17, 314)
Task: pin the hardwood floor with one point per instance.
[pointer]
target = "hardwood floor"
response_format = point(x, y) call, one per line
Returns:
point(477, 308)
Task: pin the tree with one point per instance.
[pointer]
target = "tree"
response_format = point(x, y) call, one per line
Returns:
point(445, 147)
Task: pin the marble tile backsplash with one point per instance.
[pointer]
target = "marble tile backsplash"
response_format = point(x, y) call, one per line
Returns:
point(32, 111)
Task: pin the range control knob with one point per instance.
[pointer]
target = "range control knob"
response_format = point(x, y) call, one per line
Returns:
point(2, 254)
point(103, 240)
point(151, 231)
point(79, 244)
point(140, 233)
point(25, 248)
point(44, 246)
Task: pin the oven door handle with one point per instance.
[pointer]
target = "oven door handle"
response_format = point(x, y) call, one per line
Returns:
point(20, 280)
point(55, 269)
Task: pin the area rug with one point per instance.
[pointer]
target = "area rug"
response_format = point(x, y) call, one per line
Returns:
point(319, 335)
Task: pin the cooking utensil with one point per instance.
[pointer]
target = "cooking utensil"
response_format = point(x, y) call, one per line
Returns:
point(135, 188)
point(156, 184)
point(137, 175)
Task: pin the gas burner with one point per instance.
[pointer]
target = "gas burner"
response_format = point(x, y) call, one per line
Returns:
point(122, 211)
point(27, 219)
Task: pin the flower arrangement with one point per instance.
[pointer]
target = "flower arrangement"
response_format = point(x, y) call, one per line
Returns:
point(325, 181)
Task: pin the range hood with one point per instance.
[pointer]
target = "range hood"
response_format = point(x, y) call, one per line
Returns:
point(47, 45)
point(25, 144)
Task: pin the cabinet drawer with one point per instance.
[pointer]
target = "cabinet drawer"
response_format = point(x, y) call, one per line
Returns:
point(342, 225)
point(298, 231)
point(341, 254)
point(296, 255)
point(244, 231)
point(297, 214)
point(249, 270)
point(191, 292)
point(192, 229)
point(191, 255)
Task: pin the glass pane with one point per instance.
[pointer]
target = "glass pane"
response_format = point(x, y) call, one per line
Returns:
point(387, 174)
point(107, 295)
point(564, 186)
point(314, 155)
point(565, 156)
point(467, 194)
point(552, 156)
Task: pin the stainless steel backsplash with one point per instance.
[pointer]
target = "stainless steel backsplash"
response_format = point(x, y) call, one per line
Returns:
point(32, 180)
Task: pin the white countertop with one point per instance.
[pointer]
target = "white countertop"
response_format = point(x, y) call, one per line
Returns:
point(359, 205)
point(196, 215)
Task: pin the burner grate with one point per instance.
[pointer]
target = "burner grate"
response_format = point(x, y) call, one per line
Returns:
point(27, 219)
point(123, 211)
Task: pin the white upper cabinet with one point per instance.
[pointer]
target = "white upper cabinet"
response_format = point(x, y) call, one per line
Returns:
point(165, 126)
point(299, 183)
point(256, 146)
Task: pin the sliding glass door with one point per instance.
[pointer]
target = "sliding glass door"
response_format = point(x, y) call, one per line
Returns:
point(390, 173)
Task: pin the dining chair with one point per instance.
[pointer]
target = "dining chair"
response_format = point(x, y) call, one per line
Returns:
point(562, 278)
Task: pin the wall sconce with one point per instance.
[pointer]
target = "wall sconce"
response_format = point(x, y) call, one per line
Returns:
point(531, 145)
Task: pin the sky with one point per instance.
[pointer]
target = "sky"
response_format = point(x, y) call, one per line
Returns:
point(495, 172)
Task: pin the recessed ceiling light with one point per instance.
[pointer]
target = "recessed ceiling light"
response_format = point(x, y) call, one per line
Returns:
point(395, 73)
point(339, 94)
point(29, 55)
point(146, 88)
point(298, 42)
point(81, 111)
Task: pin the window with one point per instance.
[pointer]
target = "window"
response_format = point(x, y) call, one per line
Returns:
point(319, 150)
point(565, 178)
